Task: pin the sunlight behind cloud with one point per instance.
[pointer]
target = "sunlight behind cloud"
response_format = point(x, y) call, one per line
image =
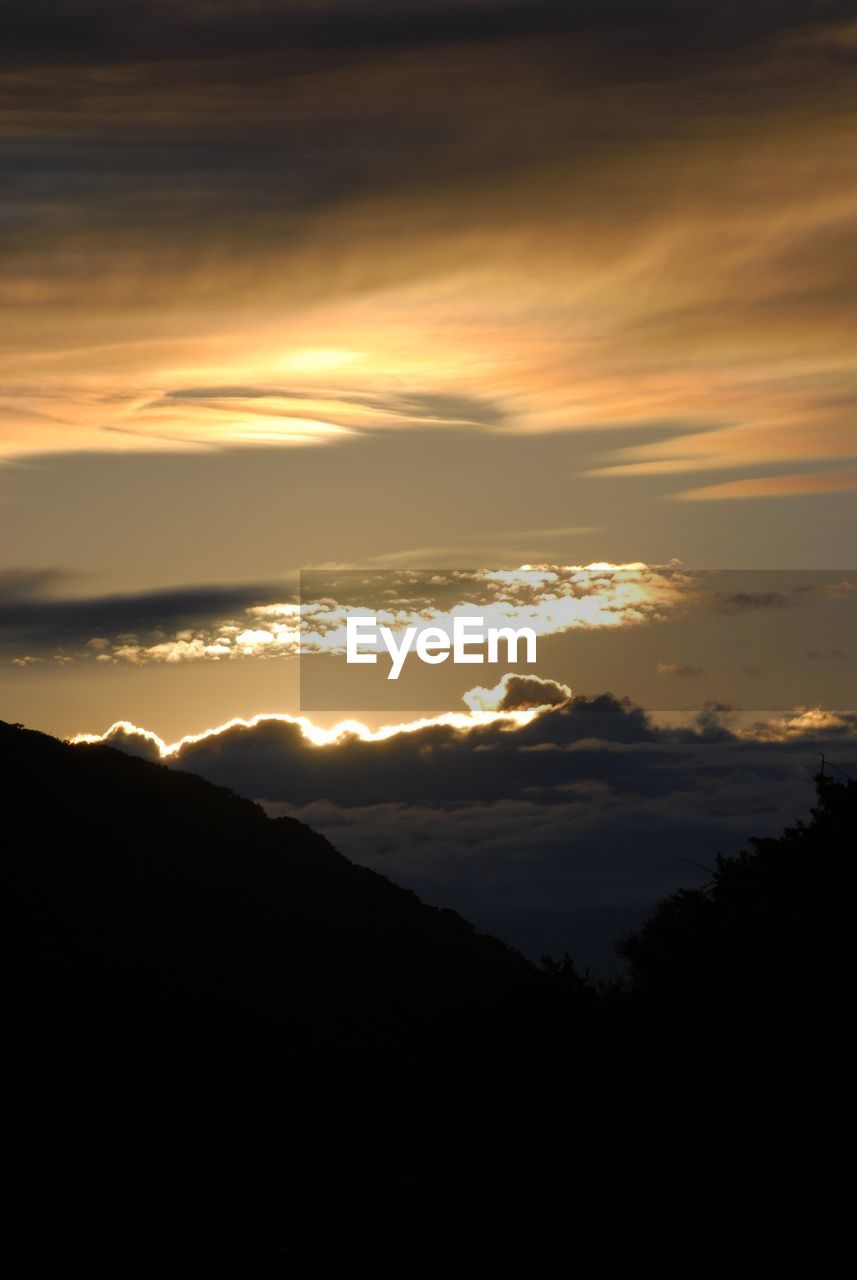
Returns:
point(317, 360)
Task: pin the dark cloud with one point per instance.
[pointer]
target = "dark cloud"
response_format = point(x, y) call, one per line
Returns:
point(559, 834)
point(711, 722)
point(318, 86)
point(102, 32)
point(531, 691)
point(427, 406)
point(741, 601)
point(29, 617)
point(24, 584)
point(488, 762)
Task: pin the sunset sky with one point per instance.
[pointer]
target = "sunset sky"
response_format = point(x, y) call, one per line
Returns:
point(470, 286)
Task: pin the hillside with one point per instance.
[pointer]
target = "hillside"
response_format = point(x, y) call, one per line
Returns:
point(175, 875)
point(210, 1008)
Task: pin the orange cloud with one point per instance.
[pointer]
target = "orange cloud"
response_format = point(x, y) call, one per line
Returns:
point(444, 221)
point(774, 486)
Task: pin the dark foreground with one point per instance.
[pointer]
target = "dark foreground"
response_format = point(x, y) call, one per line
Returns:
point(232, 1053)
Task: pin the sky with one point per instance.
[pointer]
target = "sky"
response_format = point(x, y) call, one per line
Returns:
point(340, 284)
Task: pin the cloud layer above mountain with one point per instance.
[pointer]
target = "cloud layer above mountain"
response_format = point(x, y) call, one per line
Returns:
point(555, 828)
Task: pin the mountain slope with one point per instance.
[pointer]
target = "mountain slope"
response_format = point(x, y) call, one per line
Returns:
point(166, 866)
point(210, 1011)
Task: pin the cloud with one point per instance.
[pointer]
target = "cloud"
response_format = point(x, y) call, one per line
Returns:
point(576, 874)
point(742, 601)
point(156, 29)
point(551, 600)
point(775, 486)
point(19, 584)
point(135, 627)
point(314, 206)
point(505, 752)
point(673, 669)
point(517, 693)
point(556, 828)
point(315, 414)
point(838, 590)
point(808, 724)
point(827, 655)
point(211, 623)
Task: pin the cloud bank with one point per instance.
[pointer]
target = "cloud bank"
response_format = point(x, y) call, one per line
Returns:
point(556, 827)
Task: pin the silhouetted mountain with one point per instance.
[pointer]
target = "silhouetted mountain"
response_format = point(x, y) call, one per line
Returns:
point(235, 1054)
point(146, 856)
point(210, 1005)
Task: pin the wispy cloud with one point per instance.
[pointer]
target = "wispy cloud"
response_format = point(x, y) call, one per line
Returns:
point(368, 223)
point(774, 486)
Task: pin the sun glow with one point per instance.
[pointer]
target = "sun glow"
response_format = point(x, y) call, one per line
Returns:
point(317, 360)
